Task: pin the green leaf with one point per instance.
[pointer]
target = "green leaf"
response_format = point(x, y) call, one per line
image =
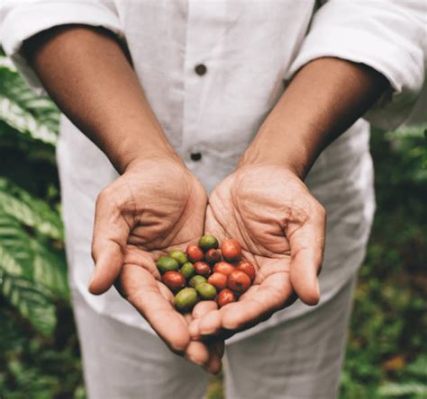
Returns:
point(50, 270)
point(25, 123)
point(400, 390)
point(30, 301)
point(15, 251)
point(13, 87)
point(29, 210)
point(24, 256)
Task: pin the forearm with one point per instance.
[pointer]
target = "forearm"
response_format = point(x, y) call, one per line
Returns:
point(88, 75)
point(325, 98)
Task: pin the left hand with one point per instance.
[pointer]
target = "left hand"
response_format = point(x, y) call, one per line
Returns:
point(281, 227)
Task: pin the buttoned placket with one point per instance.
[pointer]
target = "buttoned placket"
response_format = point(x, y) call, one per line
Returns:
point(199, 53)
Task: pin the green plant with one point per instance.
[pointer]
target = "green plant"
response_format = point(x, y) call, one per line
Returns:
point(38, 345)
point(386, 355)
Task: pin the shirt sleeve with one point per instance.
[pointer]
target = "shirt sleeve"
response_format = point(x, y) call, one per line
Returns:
point(19, 20)
point(390, 36)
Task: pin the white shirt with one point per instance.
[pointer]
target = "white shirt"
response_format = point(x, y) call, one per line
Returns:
point(250, 50)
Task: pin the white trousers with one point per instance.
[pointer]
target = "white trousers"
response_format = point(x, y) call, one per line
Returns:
point(299, 359)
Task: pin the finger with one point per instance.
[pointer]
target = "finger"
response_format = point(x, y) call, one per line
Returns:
point(143, 292)
point(256, 305)
point(214, 364)
point(307, 244)
point(109, 240)
point(210, 324)
point(202, 308)
point(198, 353)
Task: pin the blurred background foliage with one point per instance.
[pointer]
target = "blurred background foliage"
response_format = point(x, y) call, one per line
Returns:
point(39, 354)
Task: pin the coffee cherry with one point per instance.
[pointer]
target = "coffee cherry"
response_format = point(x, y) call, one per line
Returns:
point(179, 256)
point(202, 268)
point(173, 280)
point(225, 297)
point(213, 256)
point(238, 281)
point(194, 253)
point(231, 250)
point(196, 280)
point(185, 299)
point(224, 268)
point(187, 270)
point(208, 241)
point(166, 263)
point(206, 291)
point(218, 280)
point(248, 268)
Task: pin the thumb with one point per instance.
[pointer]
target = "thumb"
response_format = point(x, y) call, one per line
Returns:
point(306, 244)
point(304, 280)
point(108, 265)
point(110, 236)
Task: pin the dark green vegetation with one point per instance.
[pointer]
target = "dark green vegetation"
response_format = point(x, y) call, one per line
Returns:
point(39, 358)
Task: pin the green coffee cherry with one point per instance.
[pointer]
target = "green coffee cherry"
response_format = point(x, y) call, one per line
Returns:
point(208, 241)
point(196, 280)
point(187, 270)
point(185, 299)
point(179, 256)
point(206, 290)
point(166, 263)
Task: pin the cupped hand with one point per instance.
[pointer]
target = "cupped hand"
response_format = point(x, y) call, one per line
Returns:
point(155, 206)
point(281, 227)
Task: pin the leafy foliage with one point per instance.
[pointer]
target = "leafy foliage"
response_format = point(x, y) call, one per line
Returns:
point(387, 350)
point(38, 346)
point(39, 354)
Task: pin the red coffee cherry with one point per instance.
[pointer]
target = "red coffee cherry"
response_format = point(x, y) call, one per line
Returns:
point(194, 253)
point(224, 268)
point(238, 281)
point(225, 297)
point(213, 256)
point(248, 268)
point(173, 280)
point(231, 250)
point(202, 268)
point(218, 280)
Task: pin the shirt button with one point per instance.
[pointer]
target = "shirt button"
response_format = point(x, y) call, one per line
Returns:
point(200, 69)
point(196, 156)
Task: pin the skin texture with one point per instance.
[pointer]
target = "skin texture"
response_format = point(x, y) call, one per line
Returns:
point(264, 204)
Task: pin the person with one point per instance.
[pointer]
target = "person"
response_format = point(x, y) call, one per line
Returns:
point(259, 104)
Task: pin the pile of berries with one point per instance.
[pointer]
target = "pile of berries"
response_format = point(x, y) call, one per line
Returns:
point(207, 271)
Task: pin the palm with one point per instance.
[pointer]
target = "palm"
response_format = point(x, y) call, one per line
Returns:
point(278, 223)
point(152, 208)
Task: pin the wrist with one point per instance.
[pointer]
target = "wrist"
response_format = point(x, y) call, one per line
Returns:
point(292, 156)
point(155, 158)
point(133, 150)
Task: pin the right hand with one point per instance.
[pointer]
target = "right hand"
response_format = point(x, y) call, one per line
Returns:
point(155, 206)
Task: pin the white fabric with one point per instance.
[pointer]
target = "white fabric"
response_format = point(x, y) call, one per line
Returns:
point(298, 359)
point(125, 362)
point(250, 48)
